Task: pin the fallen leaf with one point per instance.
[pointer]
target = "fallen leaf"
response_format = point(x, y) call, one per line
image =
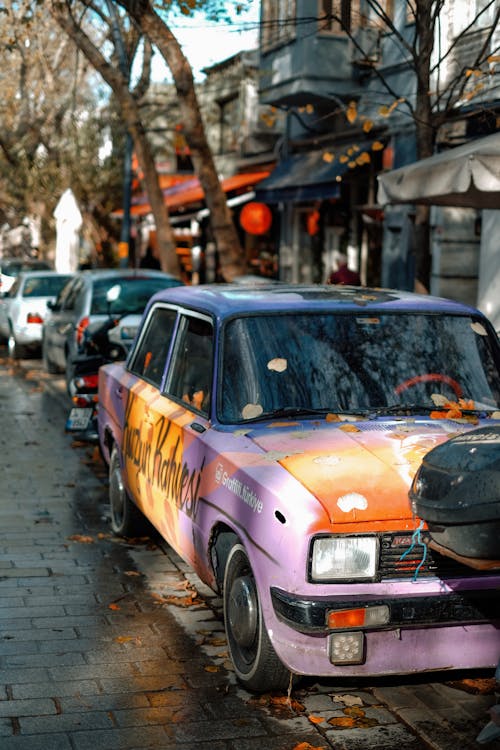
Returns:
point(355, 711)
point(124, 638)
point(316, 719)
point(349, 428)
point(342, 721)
point(351, 112)
point(82, 539)
point(348, 700)
point(132, 573)
point(113, 606)
point(211, 668)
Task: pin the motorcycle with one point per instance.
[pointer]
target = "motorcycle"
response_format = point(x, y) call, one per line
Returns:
point(98, 348)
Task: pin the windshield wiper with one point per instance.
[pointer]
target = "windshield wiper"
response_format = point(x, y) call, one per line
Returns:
point(295, 411)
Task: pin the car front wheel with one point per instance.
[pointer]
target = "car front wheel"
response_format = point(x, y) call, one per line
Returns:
point(255, 661)
point(126, 518)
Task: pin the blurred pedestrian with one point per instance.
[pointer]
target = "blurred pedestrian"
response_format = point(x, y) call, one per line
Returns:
point(342, 274)
point(148, 260)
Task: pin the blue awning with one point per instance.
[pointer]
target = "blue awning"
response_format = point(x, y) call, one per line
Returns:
point(302, 177)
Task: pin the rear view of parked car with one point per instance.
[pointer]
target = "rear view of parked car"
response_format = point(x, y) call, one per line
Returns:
point(85, 301)
point(23, 309)
point(10, 268)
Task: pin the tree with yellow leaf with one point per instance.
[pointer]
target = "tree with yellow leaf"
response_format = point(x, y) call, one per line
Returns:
point(450, 61)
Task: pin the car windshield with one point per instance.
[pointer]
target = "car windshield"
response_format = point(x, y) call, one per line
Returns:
point(134, 293)
point(14, 268)
point(44, 286)
point(355, 362)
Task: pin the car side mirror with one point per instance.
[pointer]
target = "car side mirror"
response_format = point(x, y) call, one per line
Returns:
point(52, 305)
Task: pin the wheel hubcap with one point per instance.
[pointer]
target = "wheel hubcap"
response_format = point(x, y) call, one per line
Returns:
point(117, 491)
point(243, 611)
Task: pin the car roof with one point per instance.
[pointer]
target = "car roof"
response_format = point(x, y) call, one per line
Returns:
point(44, 273)
point(224, 300)
point(24, 265)
point(124, 273)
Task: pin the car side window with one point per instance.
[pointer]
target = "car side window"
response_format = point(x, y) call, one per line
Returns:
point(151, 353)
point(68, 302)
point(191, 372)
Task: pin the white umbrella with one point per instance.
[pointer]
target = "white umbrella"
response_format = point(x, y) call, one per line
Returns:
point(68, 224)
point(465, 176)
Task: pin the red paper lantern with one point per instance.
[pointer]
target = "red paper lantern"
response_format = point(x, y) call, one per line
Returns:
point(256, 218)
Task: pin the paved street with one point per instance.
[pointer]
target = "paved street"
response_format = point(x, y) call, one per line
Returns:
point(115, 644)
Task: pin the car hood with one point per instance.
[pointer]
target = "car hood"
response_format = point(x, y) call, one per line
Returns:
point(359, 471)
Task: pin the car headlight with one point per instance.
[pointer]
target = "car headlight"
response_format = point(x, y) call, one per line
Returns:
point(334, 558)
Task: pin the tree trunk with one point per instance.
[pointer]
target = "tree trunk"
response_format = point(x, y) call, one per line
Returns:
point(130, 111)
point(231, 258)
point(425, 137)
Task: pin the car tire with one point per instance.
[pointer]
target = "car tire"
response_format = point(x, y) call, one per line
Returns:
point(255, 661)
point(126, 518)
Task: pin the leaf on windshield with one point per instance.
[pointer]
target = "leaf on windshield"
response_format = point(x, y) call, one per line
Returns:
point(250, 411)
point(438, 399)
point(479, 329)
point(278, 364)
point(453, 409)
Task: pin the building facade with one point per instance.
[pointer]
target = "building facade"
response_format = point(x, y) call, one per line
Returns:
point(343, 74)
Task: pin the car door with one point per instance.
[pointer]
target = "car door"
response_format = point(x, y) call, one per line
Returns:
point(60, 323)
point(167, 416)
point(5, 304)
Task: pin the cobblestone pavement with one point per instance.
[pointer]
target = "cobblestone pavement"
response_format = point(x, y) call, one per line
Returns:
point(115, 644)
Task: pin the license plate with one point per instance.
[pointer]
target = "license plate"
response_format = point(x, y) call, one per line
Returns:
point(79, 418)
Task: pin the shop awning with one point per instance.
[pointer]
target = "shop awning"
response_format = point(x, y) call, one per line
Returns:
point(464, 176)
point(189, 192)
point(303, 177)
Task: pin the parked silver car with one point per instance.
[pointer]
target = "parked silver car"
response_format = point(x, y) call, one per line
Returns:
point(24, 307)
point(84, 301)
point(10, 268)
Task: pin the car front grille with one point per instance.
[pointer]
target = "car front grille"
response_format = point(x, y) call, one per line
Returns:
point(432, 564)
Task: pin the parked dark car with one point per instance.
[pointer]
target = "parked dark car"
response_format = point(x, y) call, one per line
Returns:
point(85, 301)
point(457, 492)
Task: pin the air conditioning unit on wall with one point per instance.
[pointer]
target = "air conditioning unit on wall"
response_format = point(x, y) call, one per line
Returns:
point(365, 46)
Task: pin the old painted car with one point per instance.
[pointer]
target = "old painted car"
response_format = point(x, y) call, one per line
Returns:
point(271, 435)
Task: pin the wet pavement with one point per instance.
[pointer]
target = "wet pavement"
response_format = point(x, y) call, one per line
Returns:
point(115, 644)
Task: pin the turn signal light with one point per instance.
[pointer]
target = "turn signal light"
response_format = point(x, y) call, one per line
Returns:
point(364, 617)
point(83, 323)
